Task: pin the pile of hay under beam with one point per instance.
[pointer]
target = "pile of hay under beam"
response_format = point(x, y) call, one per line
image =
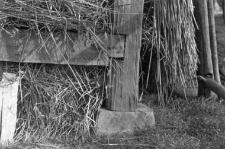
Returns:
point(57, 101)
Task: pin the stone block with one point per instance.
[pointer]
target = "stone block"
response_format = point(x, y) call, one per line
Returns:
point(111, 122)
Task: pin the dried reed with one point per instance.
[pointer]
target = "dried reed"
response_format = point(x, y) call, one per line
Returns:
point(169, 31)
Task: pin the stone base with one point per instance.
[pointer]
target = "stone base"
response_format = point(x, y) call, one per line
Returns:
point(111, 122)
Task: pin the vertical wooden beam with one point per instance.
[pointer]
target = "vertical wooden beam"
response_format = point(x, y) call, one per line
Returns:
point(124, 74)
point(205, 66)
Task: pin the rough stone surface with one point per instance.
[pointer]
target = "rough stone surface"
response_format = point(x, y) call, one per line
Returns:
point(111, 122)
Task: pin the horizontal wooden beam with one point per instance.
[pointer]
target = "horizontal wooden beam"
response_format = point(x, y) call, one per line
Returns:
point(57, 48)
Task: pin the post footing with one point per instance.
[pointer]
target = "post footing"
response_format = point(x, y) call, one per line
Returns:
point(111, 122)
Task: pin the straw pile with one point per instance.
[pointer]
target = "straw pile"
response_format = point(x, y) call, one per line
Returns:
point(169, 33)
point(58, 101)
point(80, 16)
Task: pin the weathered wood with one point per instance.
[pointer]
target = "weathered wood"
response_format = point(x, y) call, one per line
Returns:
point(203, 44)
point(8, 107)
point(124, 74)
point(26, 46)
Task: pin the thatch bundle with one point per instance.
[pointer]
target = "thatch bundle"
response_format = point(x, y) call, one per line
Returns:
point(169, 33)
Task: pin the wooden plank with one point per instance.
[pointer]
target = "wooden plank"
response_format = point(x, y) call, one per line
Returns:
point(124, 75)
point(26, 46)
point(8, 107)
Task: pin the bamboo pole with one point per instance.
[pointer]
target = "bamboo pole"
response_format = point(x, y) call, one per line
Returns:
point(213, 41)
point(203, 44)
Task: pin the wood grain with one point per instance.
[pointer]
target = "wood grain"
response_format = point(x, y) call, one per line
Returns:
point(56, 48)
point(124, 74)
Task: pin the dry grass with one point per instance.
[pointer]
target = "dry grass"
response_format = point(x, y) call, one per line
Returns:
point(78, 15)
point(58, 101)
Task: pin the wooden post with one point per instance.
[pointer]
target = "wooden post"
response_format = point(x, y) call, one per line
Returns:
point(124, 73)
point(205, 66)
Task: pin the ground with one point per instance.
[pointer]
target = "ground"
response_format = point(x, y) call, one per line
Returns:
point(183, 124)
